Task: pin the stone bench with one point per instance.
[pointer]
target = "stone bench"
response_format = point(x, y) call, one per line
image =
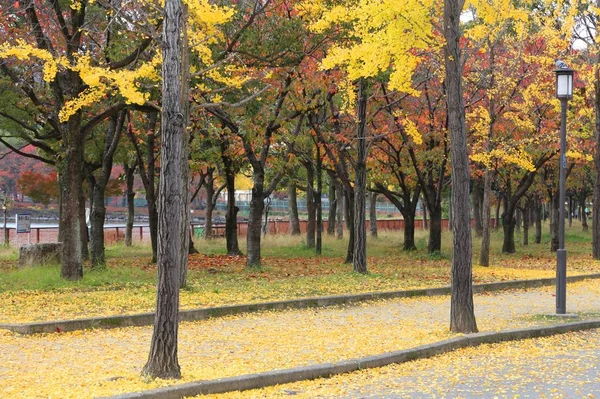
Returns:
point(39, 254)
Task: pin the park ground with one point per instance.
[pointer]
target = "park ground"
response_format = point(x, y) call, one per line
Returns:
point(107, 362)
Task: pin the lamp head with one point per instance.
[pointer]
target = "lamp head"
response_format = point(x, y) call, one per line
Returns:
point(564, 83)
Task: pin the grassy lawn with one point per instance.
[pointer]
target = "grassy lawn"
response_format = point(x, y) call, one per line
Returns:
point(290, 270)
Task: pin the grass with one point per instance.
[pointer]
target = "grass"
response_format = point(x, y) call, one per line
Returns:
point(289, 270)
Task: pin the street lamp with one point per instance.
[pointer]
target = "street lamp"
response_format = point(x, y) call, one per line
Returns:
point(564, 91)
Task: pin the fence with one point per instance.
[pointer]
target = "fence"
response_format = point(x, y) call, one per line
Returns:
point(114, 234)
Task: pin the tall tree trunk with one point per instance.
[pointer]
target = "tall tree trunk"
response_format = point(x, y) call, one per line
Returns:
point(596, 200)
point(359, 256)
point(341, 205)
point(571, 204)
point(484, 256)
point(98, 211)
point(310, 205)
point(409, 234)
point(538, 220)
point(173, 204)
point(425, 219)
point(349, 208)
point(554, 216)
point(231, 235)
point(210, 192)
point(129, 178)
point(83, 228)
point(435, 229)
point(477, 205)
point(257, 205)
point(73, 147)
point(497, 214)
point(373, 214)
point(318, 202)
point(518, 220)
point(508, 246)
point(584, 223)
point(462, 315)
point(293, 209)
point(333, 200)
point(526, 216)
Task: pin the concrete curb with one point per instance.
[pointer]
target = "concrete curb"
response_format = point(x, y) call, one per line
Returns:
point(146, 319)
point(270, 378)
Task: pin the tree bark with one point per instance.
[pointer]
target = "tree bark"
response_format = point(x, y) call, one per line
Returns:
point(341, 205)
point(318, 202)
point(518, 220)
point(373, 214)
point(83, 228)
point(173, 204)
point(73, 147)
point(129, 178)
point(554, 216)
point(255, 220)
point(497, 214)
point(310, 205)
point(210, 193)
point(333, 200)
point(477, 205)
point(484, 255)
point(582, 213)
point(231, 236)
point(435, 229)
point(349, 208)
point(98, 211)
point(462, 315)
point(293, 209)
point(425, 219)
point(526, 216)
point(359, 256)
point(538, 220)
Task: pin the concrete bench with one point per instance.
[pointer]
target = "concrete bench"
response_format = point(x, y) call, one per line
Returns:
point(40, 254)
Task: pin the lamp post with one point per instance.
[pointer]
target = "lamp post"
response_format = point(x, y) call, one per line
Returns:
point(564, 91)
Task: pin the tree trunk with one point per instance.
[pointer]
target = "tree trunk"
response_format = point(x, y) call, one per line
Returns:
point(359, 256)
point(435, 229)
point(210, 192)
point(98, 211)
point(349, 208)
point(310, 205)
point(508, 246)
point(129, 178)
point(484, 256)
point(293, 209)
point(554, 216)
point(425, 219)
point(518, 220)
point(538, 220)
point(333, 200)
point(526, 217)
point(341, 204)
point(73, 147)
point(318, 203)
point(584, 223)
point(254, 222)
point(173, 204)
point(373, 214)
point(409, 234)
point(462, 315)
point(497, 214)
point(84, 232)
point(571, 203)
point(477, 205)
point(231, 235)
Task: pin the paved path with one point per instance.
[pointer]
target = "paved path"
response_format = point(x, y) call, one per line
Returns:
point(564, 366)
point(105, 362)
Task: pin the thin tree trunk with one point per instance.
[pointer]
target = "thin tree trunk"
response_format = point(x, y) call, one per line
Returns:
point(210, 192)
point(462, 315)
point(497, 215)
point(359, 256)
point(310, 206)
point(526, 211)
point(477, 205)
point(231, 235)
point(129, 178)
point(571, 204)
point(341, 205)
point(538, 220)
point(373, 214)
point(425, 220)
point(333, 200)
point(584, 223)
point(518, 220)
point(554, 216)
point(83, 228)
point(173, 204)
point(435, 230)
point(349, 208)
point(484, 256)
point(318, 203)
point(293, 209)
point(253, 238)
